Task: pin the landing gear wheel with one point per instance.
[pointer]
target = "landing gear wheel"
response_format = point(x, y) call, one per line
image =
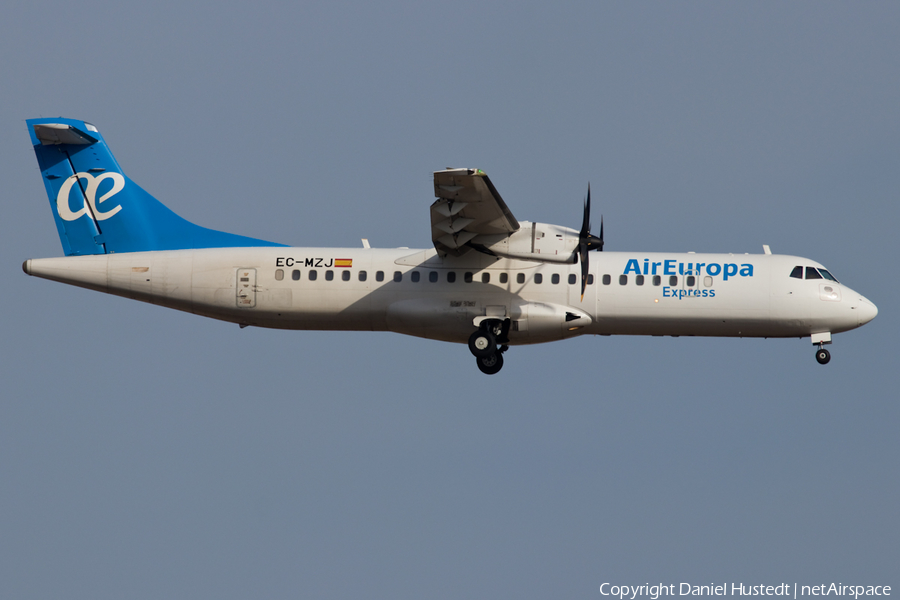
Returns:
point(490, 364)
point(823, 356)
point(482, 343)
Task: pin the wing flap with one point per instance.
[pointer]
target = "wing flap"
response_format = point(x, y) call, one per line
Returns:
point(467, 205)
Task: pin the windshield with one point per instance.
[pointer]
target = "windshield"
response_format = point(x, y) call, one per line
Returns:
point(828, 275)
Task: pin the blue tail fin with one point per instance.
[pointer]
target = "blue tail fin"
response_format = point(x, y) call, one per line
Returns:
point(98, 210)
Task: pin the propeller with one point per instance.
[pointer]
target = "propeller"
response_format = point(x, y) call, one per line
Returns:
point(587, 241)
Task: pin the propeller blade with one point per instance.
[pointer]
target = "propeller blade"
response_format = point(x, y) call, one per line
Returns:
point(583, 257)
point(587, 241)
point(601, 234)
point(586, 220)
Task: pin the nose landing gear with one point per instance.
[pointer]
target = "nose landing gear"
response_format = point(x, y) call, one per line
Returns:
point(820, 339)
point(483, 345)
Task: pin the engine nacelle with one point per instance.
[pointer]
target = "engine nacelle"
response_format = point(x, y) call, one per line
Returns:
point(539, 242)
point(535, 322)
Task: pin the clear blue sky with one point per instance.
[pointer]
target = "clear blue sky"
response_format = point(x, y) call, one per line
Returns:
point(146, 453)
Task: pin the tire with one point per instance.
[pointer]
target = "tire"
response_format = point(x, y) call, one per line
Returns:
point(482, 343)
point(823, 356)
point(490, 365)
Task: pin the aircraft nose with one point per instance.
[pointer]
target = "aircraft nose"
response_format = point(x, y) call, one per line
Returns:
point(866, 311)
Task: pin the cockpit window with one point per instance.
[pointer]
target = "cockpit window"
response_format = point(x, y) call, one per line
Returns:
point(828, 275)
point(813, 273)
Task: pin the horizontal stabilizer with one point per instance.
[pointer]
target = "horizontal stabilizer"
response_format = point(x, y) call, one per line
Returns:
point(50, 134)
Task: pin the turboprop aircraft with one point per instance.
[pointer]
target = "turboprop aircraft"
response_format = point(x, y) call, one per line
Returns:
point(490, 280)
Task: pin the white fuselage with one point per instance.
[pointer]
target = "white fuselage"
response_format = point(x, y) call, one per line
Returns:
point(443, 298)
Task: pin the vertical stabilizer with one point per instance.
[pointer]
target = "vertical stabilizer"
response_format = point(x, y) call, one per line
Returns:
point(99, 210)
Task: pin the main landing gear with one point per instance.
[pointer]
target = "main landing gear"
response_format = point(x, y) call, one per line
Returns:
point(483, 345)
point(490, 364)
point(823, 355)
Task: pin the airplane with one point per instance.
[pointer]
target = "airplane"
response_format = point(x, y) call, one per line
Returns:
point(490, 281)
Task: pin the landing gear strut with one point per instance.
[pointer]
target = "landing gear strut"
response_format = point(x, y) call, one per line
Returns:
point(819, 340)
point(483, 345)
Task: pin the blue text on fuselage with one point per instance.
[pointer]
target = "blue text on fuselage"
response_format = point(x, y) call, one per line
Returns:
point(670, 292)
point(674, 267)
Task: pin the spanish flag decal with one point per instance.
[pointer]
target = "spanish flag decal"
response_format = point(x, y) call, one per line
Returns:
point(343, 262)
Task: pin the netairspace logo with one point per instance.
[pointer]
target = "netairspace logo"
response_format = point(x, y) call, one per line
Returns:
point(654, 592)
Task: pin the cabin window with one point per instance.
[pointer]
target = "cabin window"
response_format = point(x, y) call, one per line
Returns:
point(520, 278)
point(707, 281)
point(607, 280)
point(657, 280)
point(590, 280)
point(623, 279)
point(295, 275)
point(797, 273)
point(313, 275)
point(504, 277)
point(812, 273)
point(485, 278)
point(379, 275)
point(432, 276)
point(279, 274)
point(345, 275)
point(554, 279)
point(673, 280)
point(414, 277)
point(451, 276)
point(638, 280)
point(691, 280)
point(329, 275)
point(467, 277)
point(572, 279)
point(363, 275)
point(538, 278)
point(398, 276)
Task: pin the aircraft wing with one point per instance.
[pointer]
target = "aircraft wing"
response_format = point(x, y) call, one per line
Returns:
point(467, 206)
